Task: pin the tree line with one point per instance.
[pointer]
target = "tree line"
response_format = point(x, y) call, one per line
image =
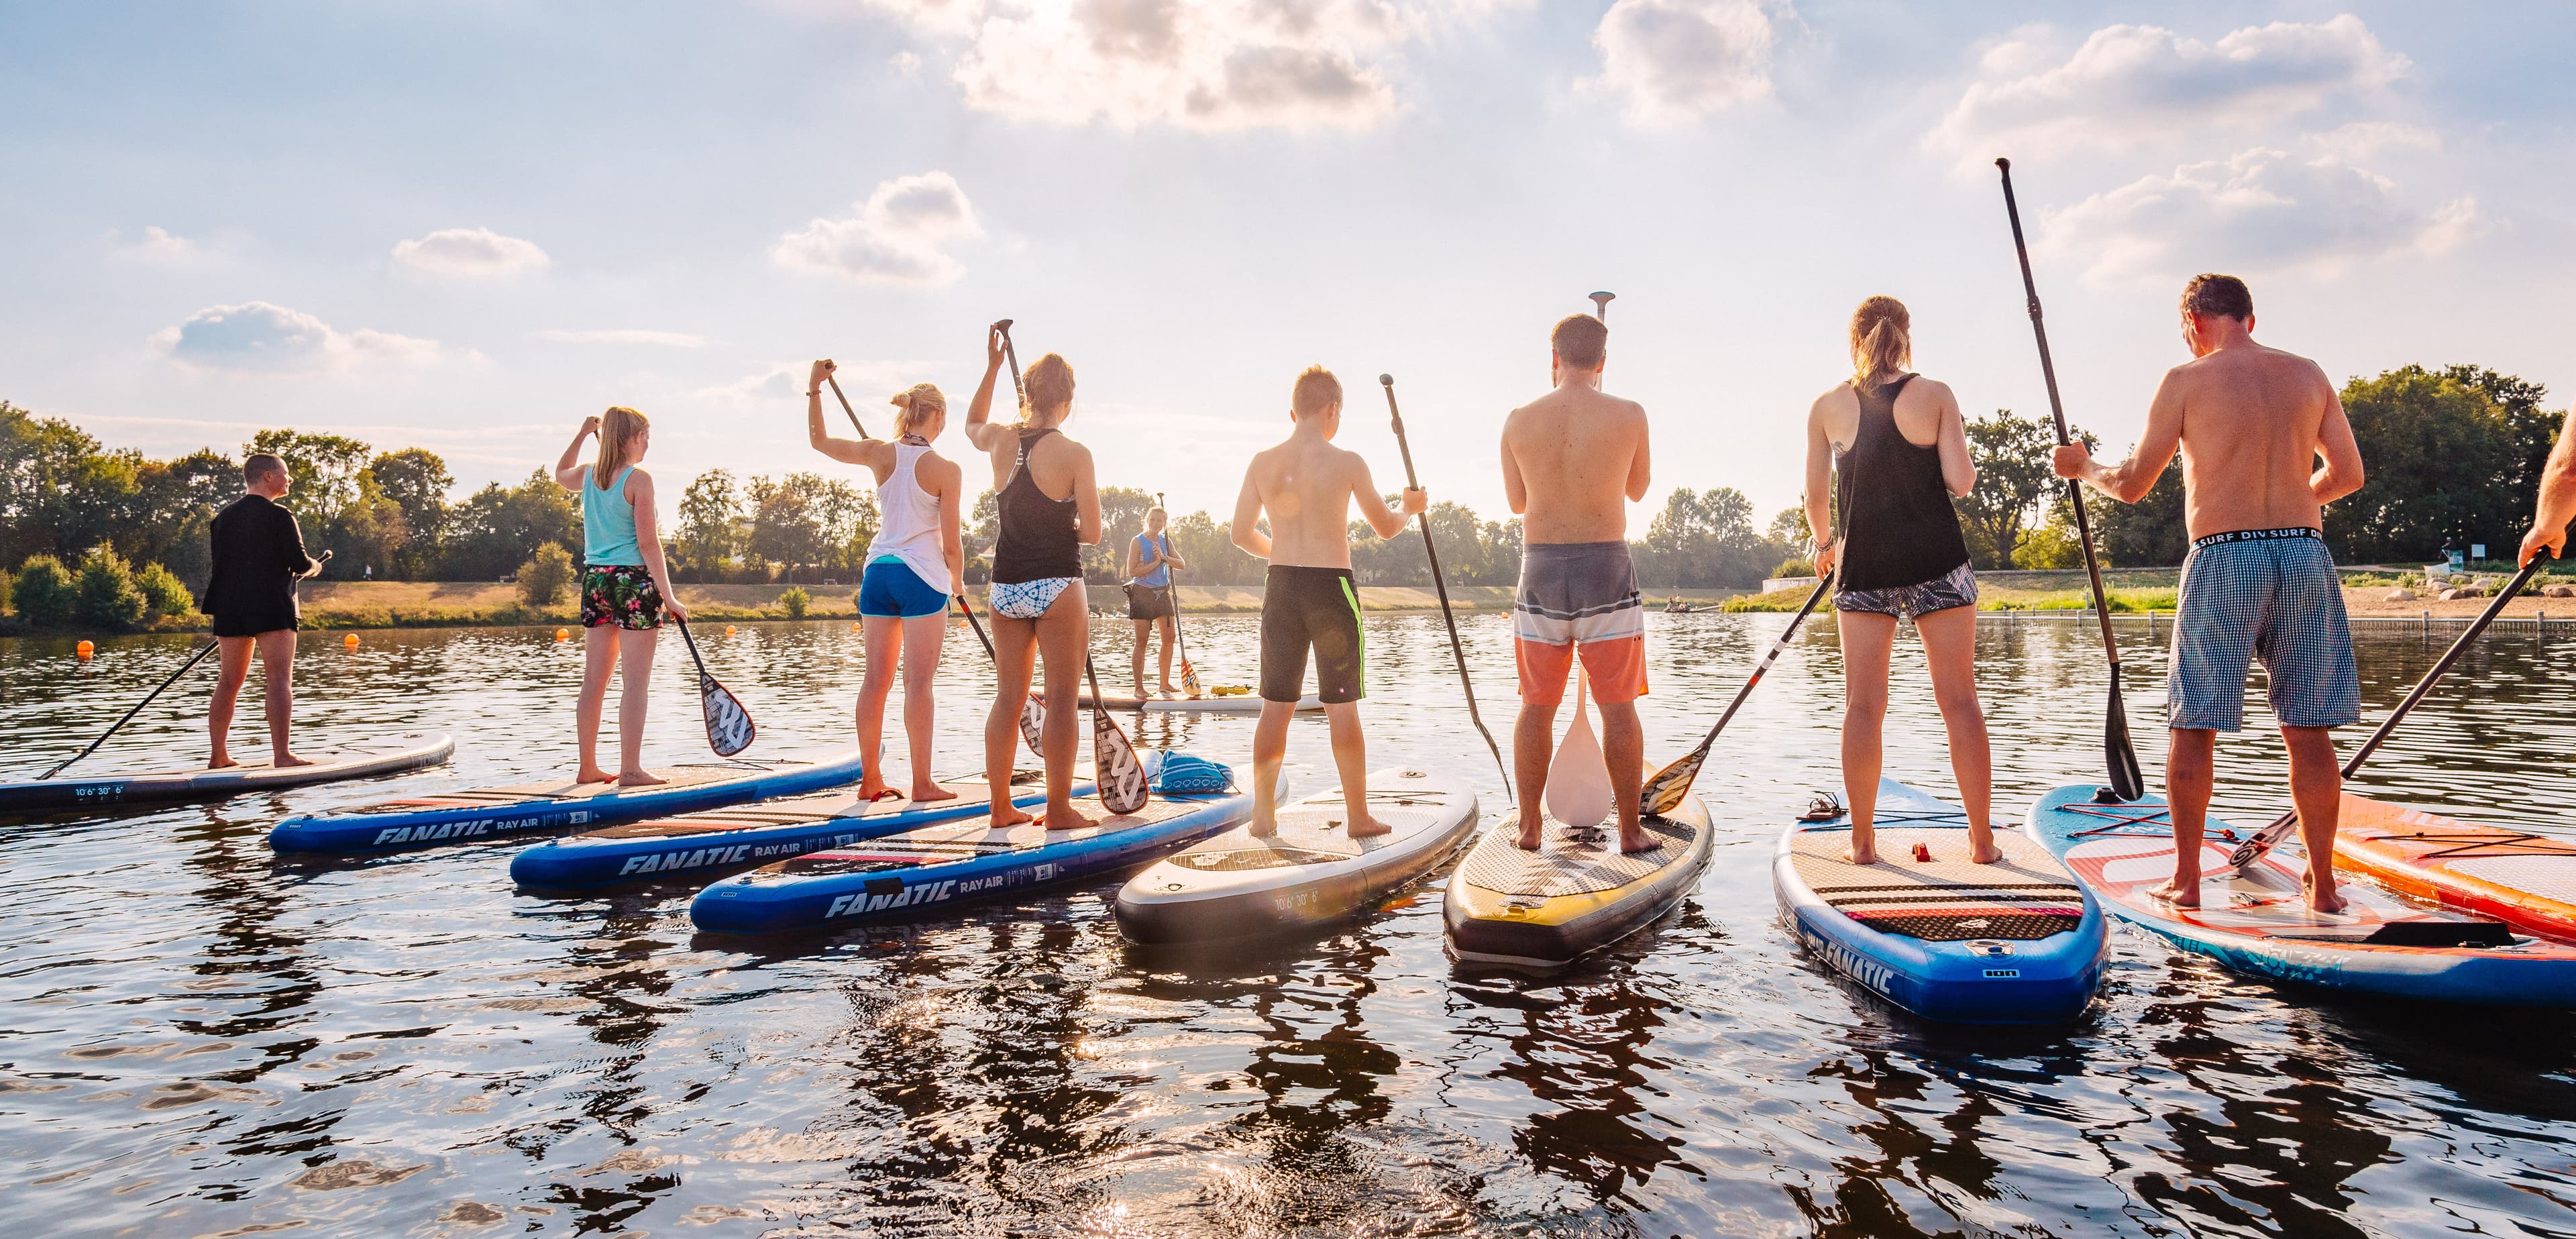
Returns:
point(2452, 455)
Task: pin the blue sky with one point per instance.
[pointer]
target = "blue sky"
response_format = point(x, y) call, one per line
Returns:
point(466, 226)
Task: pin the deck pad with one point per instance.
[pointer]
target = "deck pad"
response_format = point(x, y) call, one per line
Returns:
point(1571, 861)
point(1577, 893)
point(2025, 896)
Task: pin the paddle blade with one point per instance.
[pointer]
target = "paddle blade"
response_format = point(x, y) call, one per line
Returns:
point(1033, 726)
point(2127, 781)
point(1189, 678)
point(2263, 840)
point(1114, 764)
point(1578, 779)
point(1671, 785)
point(729, 726)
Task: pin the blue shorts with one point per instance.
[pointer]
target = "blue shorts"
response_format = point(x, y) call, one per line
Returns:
point(2271, 594)
point(892, 590)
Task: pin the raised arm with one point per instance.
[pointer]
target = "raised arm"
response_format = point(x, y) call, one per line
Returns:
point(875, 454)
point(1958, 468)
point(2557, 503)
point(1246, 530)
point(1385, 520)
point(568, 467)
point(2131, 479)
point(980, 429)
point(2339, 472)
point(648, 539)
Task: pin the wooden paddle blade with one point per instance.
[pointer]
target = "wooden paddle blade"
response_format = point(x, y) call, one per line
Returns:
point(1578, 779)
point(2127, 781)
point(1671, 785)
point(1121, 777)
point(729, 726)
point(1189, 679)
point(1033, 726)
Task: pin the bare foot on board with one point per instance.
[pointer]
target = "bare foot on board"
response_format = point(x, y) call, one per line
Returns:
point(1007, 815)
point(1170, 691)
point(2330, 902)
point(2177, 893)
point(926, 792)
point(1862, 853)
point(1067, 818)
point(640, 778)
point(222, 761)
point(1531, 836)
point(1265, 821)
point(288, 761)
point(1982, 849)
point(872, 790)
point(1369, 828)
point(593, 774)
point(1634, 839)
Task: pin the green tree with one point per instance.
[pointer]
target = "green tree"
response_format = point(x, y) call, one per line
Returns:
point(107, 597)
point(323, 469)
point(1704, 540)
point(179, 499)
point(785, 533)
point(2011, 456)
point(415, 481)
point(44, 593)
point(2150, 533)
point(1214, 558)
point(2531, 424)
point(163, 592)
point(2438, 460)
point(500, 527)
point(1122, 517)
point(795, 602)
point(546, 577)
point(59, 491)
point(710, 523)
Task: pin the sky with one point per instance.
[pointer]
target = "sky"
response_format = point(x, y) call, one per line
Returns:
point(465, 226)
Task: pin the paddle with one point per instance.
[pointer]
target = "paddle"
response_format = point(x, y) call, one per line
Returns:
point(729, 726)
point(845, 407)
point(2127, 782)
point(1172, 594)
point(1423, 519)
point(1601, 305)
point(2270, 836)
point(1671, 785)
point(1114, 767)
point(193, 660)
point(1578, 777)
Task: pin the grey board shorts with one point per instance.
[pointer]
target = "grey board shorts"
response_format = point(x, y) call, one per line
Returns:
point(2270, 594)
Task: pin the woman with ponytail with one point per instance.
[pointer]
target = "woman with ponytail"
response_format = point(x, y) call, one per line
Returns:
point(913, 569)
point(1893, 447)
point(625, 586)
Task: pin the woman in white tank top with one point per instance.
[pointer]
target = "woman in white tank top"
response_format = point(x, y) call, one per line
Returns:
point(913, 568)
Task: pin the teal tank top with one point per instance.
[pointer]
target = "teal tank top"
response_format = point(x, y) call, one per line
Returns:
point(608, 523)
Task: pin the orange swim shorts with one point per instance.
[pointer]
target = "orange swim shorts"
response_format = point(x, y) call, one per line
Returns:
point(1579, 597)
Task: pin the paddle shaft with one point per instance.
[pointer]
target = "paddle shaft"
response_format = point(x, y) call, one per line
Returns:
point(2057, 410)
point(1440, 583)
point(845, 407)
point(1814, 596)
point(193, 660)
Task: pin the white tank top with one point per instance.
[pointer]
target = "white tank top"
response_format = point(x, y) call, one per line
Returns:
point(908, 522)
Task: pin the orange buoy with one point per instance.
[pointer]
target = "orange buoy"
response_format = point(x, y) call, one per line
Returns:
point(728, 630)
point(84, 650)
point(350, 641)
point(854, 625)
point(563, 634)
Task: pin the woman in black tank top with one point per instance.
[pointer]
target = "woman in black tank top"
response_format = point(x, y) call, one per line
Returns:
point(1049, 510)
point(1896, 449)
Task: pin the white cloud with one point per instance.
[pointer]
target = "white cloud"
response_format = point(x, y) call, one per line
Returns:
point(782, 384)
point(897, 236)
point(159, 247)
point(1197, 64)
point(263, 337)
point(665, 339)
point(2261, 210)
point(473, 253)
point(2133, 87)
point(2362, 139)
point(1679, 60)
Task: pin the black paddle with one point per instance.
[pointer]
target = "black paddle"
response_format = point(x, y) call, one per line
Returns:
point(729, 726)
point(2127, 782)
point(1114, 767)
point(2269, 837)
point(1172, 594)
point(1423, 519)
point(193, 660)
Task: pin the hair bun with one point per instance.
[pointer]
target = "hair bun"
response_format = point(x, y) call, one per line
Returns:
point(901, 400)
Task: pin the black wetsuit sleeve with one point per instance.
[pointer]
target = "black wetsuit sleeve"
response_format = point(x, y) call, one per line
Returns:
point(290, 545)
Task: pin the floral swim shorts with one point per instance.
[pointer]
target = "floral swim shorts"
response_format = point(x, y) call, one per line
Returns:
point(620, 595)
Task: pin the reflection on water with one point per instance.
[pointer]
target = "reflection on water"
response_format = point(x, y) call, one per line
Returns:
point(200, 1039)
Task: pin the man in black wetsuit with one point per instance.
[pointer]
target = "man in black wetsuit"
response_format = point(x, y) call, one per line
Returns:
point(259, 556)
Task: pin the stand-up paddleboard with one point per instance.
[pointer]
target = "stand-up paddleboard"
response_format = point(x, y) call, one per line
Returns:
point(1577, 893)
point(391, 755)
point(1310, 874)
point(2257, 920)
point(2015, 942)
point(2524, 879)
point(467, 816)
point(954, 863)
point(1237, 704)
point(698, 845)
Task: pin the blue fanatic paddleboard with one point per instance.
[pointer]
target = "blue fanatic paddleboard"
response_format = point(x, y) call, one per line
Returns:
point(2015, 942)
point(391, 755)
point(469, 816)
point(2258, 921)
point(954, 863)
point(699, 845)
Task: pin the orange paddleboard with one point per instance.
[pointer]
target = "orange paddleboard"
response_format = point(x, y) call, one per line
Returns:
point(2524, 879)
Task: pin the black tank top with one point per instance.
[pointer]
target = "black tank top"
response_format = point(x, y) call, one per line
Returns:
point(1899, 527)
point(1038, 539)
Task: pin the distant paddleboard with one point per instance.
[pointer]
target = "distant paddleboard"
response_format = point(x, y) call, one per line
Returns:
point(2015, 942)
point(1311, 874)
point(1192, 705)
point(2257, 921)
point(1577, 893)
point(491, 813)
point(391, 755)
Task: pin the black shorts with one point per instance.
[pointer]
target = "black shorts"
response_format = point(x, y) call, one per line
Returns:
point(1149, 602)
point(1317, 609)
point(252, 621)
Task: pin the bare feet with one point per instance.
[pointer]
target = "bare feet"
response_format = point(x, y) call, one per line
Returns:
point(288, 761)
point(1634, 839)
point(1531, 839)
point(1863, 849)
point(1007, 815)
point(1365, 827)
point(872, 789)
point(2330, 902)
point(640, 778)
point(2179, 893)
point(924, 792)
point(1982, 849)
point(1265, 822)
point(593, 774)
point(222, 761)
point(1170, 691)
point(1066, 818)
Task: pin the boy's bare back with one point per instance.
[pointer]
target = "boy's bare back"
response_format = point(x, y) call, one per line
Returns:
point(1305, 486)
point(1573, 459)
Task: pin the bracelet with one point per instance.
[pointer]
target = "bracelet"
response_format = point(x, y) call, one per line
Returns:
point(814, 394)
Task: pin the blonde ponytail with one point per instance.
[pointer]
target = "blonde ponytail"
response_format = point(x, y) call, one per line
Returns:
point(618, 430)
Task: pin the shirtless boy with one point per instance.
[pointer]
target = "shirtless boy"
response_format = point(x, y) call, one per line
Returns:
point(1307, 487)
point(2252, 423)
point(1573, 460)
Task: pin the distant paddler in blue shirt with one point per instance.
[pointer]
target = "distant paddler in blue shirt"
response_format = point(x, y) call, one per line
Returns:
point(1150, 560)
point(625, 587)
point(914, 567)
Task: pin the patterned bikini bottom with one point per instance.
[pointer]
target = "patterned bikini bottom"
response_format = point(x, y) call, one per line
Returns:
point(1027, 600)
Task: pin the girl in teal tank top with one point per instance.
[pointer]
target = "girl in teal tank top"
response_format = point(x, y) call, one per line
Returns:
point(625, 587)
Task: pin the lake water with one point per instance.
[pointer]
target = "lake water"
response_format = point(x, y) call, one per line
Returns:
point(200, 1040)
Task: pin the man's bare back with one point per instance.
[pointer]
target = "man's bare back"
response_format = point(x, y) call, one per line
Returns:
point(1573, 460)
